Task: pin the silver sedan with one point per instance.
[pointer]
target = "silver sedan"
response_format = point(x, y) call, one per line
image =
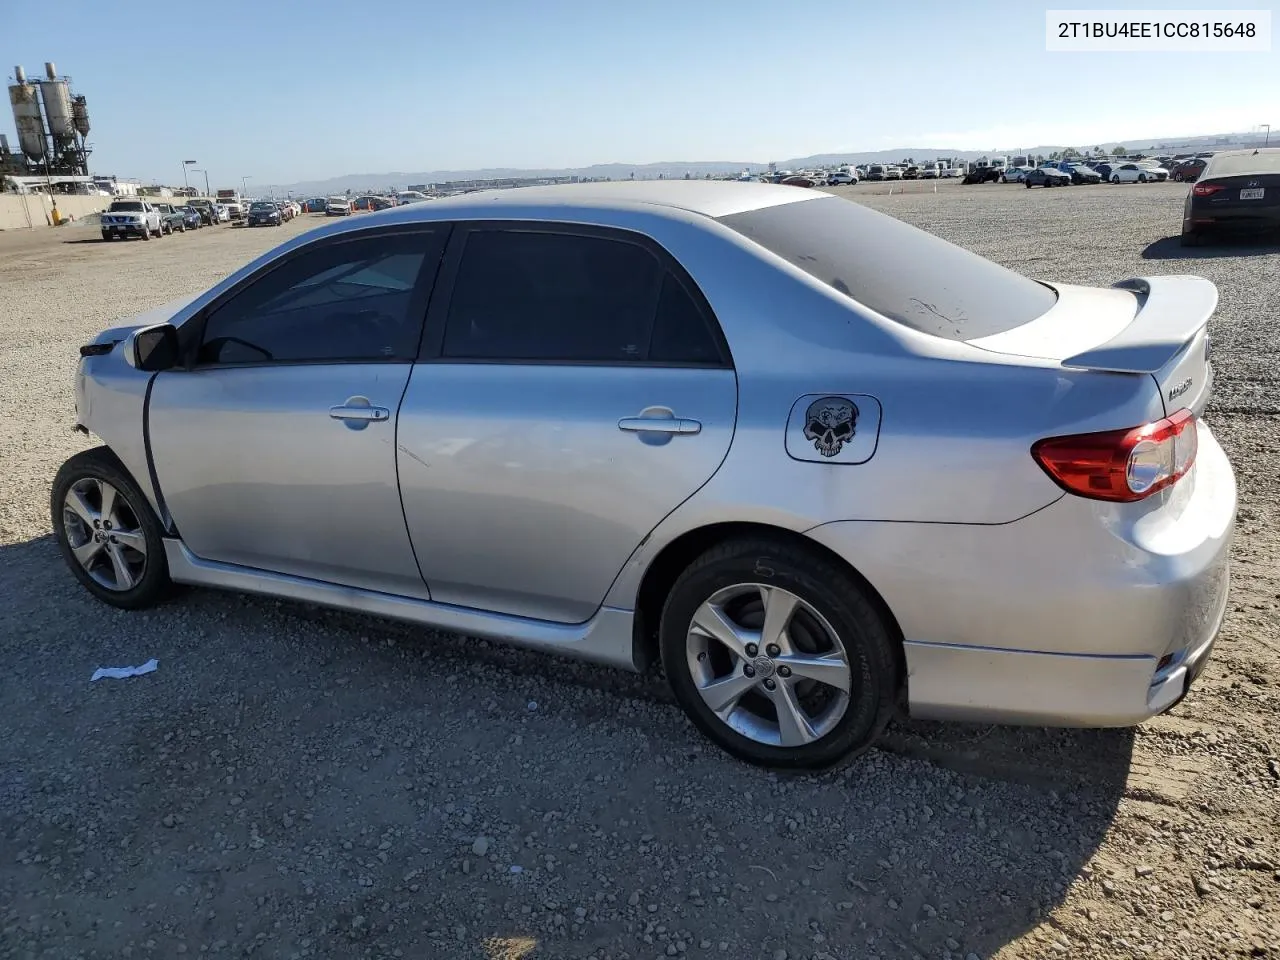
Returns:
point(818, 463)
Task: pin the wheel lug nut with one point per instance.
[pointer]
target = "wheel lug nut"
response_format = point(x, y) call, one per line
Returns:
point(772, 650)
point(769, 685)
point(702, 657)
point(748, 671)
point(97, 524)
point(784, 671)
point(752, 649)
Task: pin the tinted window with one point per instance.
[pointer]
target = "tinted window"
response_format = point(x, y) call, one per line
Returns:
point(350, 300)
point(681, 333)
point(901, 272)
point(525, 295)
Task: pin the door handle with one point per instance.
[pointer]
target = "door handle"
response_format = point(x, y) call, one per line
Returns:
point(359, 413)
point(677, 425)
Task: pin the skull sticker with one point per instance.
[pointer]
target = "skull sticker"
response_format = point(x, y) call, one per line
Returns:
point(830, 423)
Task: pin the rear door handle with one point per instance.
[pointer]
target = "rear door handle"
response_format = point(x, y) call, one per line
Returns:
point(677, 425)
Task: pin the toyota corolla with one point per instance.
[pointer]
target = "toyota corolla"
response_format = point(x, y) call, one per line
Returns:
point(818, 463)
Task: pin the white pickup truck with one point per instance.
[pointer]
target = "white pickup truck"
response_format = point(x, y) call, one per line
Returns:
point(131, 218)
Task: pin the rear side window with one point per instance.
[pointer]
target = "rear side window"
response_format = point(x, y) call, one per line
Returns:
point(528, 295)
point(904, 273)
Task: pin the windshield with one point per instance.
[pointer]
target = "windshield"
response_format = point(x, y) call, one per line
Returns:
point(128, 206)
point(949, 292)
point(262, 206)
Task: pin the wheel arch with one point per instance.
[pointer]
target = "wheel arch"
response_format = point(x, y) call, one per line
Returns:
point(674, 557)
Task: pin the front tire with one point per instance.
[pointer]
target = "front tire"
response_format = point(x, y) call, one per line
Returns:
point(107, 532)
point(778, 656)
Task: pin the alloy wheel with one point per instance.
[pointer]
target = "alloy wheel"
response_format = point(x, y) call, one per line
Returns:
point(104, 534)
point(768, 664)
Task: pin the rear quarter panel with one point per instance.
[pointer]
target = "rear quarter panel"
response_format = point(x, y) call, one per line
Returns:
point(956, 427)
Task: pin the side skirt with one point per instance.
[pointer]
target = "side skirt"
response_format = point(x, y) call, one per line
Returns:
point(604, 639)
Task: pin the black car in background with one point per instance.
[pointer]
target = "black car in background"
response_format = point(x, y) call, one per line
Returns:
point(264, 213)
point(1238, 192)
point(982, 175)
point(1080, 174)
point(208, 215)
point(1047, 177)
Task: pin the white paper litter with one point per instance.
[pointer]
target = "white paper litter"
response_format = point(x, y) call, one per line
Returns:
point(120, 673)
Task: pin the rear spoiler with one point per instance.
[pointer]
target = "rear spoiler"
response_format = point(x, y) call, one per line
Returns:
point(1171, 311)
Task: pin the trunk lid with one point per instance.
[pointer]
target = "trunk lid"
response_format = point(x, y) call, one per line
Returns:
point(1147, 326)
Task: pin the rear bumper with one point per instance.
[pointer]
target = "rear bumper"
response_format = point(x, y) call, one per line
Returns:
point(1235, 219)
point(1081, 614)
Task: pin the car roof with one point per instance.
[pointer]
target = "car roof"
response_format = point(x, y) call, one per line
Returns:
point(1238, 163)
point(711, 198)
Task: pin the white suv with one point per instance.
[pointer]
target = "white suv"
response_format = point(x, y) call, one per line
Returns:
point(130, 218)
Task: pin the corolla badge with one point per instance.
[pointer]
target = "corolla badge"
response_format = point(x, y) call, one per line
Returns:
point(1180, 389)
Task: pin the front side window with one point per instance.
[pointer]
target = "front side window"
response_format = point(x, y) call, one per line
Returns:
point(346, 301)
point(545, 296)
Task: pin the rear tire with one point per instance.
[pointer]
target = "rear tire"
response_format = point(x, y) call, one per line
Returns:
point(128, 569)
point(1191, 238)
point(771, 714)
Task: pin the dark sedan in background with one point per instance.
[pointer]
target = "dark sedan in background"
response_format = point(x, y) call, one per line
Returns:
point(1238, 192)
point(191, 217)
point(1047, 177)
point(1080, 174)
point(264, 213)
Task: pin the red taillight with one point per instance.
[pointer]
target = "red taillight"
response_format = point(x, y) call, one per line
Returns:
point(1122, 465)
point(1206, 189)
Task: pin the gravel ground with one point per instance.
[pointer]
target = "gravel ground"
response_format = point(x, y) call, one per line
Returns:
point(298, 783)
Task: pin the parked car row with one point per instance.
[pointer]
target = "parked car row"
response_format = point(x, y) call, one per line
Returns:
point(143, 219)
point(342, 205)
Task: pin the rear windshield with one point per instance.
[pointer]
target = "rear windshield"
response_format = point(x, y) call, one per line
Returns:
point(901, 272)
point(1244, 163)
point(131, 205)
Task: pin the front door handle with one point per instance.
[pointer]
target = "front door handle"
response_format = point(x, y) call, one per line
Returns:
point(677, 425)
point(358, 413)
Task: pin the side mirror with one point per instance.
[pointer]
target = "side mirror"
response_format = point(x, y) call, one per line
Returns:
point(156, 348)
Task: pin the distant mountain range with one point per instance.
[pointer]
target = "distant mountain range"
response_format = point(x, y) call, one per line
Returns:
point(698, 168)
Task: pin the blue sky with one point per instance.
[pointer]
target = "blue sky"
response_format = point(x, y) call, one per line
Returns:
point(284, 91)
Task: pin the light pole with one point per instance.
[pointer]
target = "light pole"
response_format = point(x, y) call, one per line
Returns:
point(185, 164)
point(1267, 142)
point(206, 180)
point(244, 185)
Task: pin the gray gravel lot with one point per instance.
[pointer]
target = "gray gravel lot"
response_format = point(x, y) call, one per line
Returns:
point(294, 782)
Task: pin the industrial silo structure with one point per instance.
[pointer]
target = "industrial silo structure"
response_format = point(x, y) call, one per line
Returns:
point(52, 124)
point(56, 95)
point(80, 115)
point(27, 116)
